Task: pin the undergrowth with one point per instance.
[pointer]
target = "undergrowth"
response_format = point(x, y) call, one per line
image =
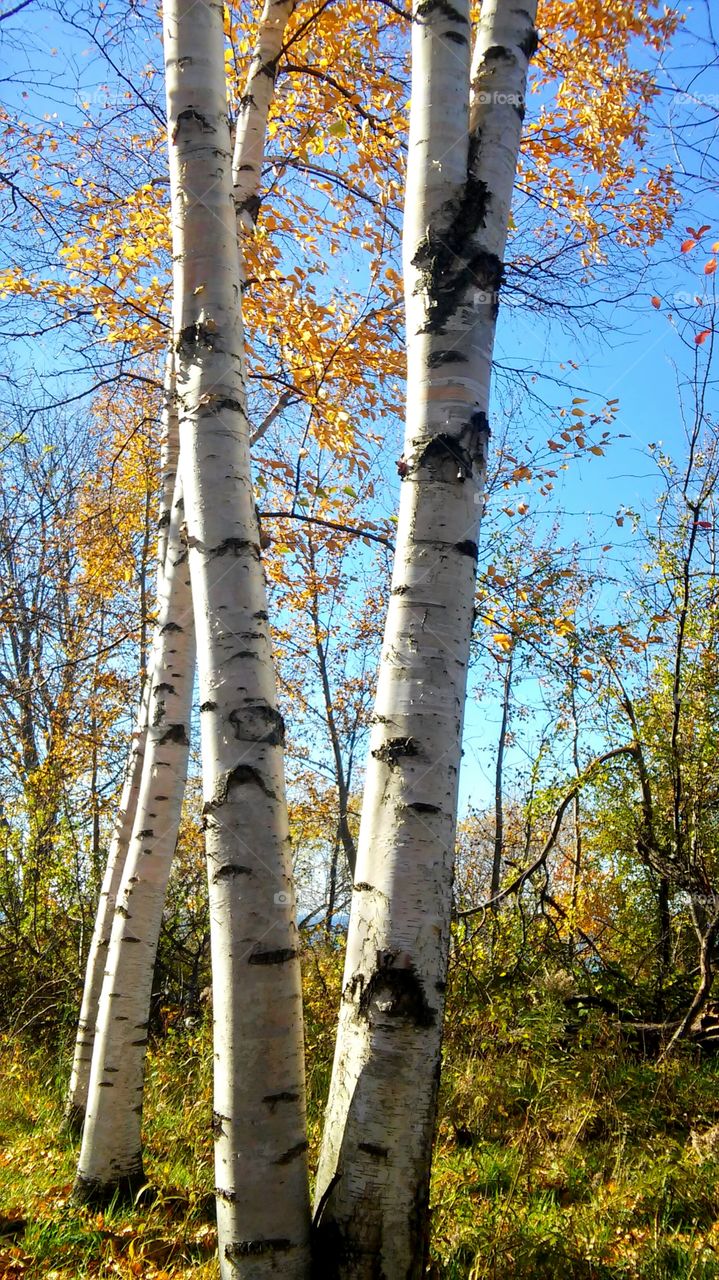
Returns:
point(559, 1153)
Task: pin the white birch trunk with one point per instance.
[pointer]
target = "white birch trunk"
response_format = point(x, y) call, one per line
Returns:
point(251, 127)
point(259, 1123)
point(97, 956)
point(111, 1155)
point(373, 1181)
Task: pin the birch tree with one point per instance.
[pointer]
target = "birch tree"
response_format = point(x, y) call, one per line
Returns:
point(111, 1155)
point(123, 828)
point(465, 125)
point(259, 1120)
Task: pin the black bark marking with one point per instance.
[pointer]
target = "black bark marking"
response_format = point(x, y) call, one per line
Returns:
point(393, 749)
point(455, 37)
point(288, 1156)
point(399, 989)
point(190, 114)
point(253, 1248)
point(280, 956)
point(168, 627)
point(452, 356)
point(258, 722)
point(285, 1096)
point(479, 422)
point(164, 520)
point(163, 687)
point(467, 548)
point(363, 887)
point(174, 733)
point(448, 262)
point(208, 706)
point(428, 7)
point(122, 911)
point(235, 546)
point(251, 206)
point(147, 834)
point(196, 335)
point(230, 871)
point(217, 1131)
point(442, 448)
point(261, 615)
point(371, 1149)
point(230, 1197)
point(530, 43)
point(419, 806)
point(240, 776)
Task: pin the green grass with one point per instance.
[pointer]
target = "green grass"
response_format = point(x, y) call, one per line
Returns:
point(557, 1156)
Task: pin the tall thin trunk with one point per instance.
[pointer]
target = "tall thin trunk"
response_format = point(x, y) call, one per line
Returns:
point(343, 824)
point(373, 1180)
point(707, 947)
point(259, 1122)
point(498, 851)
point(251, 127)
point(577, 817)
point(97, 957)
point(111, 1155)
point(76, 1102)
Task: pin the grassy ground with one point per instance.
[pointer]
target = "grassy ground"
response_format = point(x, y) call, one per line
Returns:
point(559, 1155)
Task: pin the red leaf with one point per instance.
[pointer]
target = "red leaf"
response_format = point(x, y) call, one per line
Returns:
point(656, 302)
point(702, 337)
point(701, 231)
point(704, 524)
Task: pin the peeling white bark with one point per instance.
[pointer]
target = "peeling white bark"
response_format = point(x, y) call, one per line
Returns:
point(111, 1155)
point(251, 127)
point(97, 955)
point(259, 1123)
point(122, 832)
point(373, 1180)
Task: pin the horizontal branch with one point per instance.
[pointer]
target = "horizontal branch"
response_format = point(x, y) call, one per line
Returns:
point(355, 530)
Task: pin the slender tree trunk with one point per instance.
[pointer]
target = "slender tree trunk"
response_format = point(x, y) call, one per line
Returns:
point(343, 824)
point(577, 817)
point(499, 780)
point(665, 945)
point(373, 1181)
point(122, 832)
point(251, 127)
point(82, 1060)
point(259, 1122)
point(706, 978)
point(111, 1155)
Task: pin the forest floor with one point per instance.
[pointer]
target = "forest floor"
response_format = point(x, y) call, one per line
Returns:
point(559, 1154)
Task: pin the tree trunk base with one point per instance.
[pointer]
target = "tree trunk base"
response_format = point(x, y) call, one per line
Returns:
point(74, 1120)
point(132, 1188)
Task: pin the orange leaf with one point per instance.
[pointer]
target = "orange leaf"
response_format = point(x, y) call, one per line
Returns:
point(710, 267)
point(656, 302)
point(702, 337)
